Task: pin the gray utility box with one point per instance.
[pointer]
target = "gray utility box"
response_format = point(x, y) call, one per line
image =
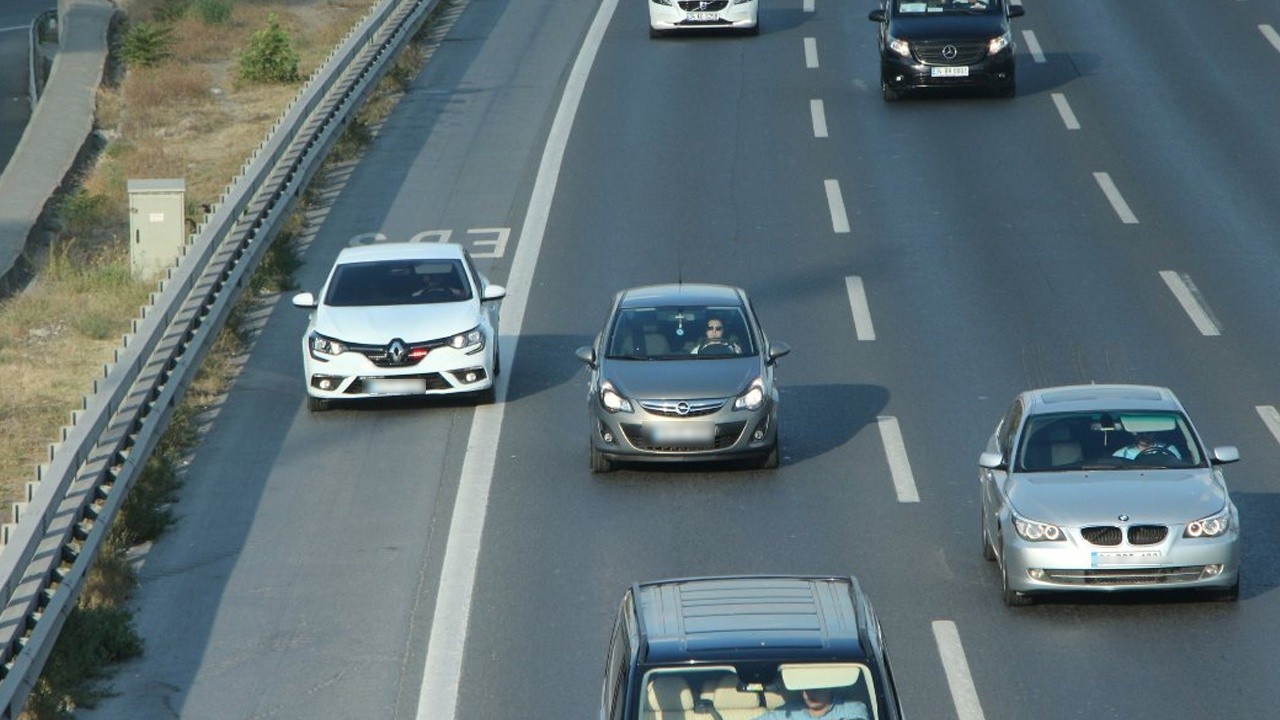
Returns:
point(157, 225)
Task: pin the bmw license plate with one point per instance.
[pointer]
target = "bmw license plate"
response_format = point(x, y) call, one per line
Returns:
point(395, 386)
point(949, 71)
point(702, 17)
point(682, 434)
point(1148, 557)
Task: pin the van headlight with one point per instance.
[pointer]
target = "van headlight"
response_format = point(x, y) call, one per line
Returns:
point(1211, 526)
point(900, 46)
point(996, 44)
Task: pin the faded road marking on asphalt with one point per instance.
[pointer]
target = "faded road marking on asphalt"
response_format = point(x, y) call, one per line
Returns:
point(1192, 303)
point(963, 692)
point(895, 451)
point(1115, 198)
point(861, 310)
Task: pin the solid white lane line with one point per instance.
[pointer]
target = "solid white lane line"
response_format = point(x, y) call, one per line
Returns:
point(963, 692)
point(1064, 109)
point(810, 53)
point(861, 310)
point(808, 5)
point(438, 693)
point(1116, 199)
point(1033, 46)
point(1271, 35)
point(835, 201)
point(895, 451)
point(1189, 298)
point(1270, 418)
point(819, 118)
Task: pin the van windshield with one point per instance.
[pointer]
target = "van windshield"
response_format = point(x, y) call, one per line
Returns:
point(841, 691)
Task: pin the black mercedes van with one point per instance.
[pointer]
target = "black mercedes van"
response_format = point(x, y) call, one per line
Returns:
point(739, 648)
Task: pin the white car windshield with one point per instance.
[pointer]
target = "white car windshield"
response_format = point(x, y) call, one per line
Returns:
point(397, 282)
point(1116, 439)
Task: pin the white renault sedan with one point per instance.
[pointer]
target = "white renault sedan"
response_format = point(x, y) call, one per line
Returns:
point(667, 16)
point(401, 319)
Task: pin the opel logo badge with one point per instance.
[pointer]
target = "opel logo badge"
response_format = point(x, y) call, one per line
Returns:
point(1123, 518)
point(949, 52)
point(682, 408)
point(396, 351)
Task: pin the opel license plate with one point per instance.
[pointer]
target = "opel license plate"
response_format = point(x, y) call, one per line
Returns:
point(681, 434)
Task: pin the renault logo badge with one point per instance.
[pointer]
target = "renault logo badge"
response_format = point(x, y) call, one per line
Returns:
point(396, 352)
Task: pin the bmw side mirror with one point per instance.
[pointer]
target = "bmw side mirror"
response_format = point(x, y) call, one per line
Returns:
point(493, 292)
point(1017, 11)
point(304, 300)
point(586, 354)
point(1225, 454)
point(991, 461)
point(777, 350)
point(876, 15)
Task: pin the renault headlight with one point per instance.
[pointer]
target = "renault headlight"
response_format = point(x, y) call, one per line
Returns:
point(321, 345)
point(1036, 531)
point(1212, 526)
point(472, 341)
point(752, 399)
point(611, 400)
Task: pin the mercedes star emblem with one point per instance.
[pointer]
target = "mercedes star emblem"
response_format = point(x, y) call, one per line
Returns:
point(949, 52)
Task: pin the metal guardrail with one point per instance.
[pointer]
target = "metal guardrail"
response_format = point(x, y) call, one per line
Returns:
point(88, 475)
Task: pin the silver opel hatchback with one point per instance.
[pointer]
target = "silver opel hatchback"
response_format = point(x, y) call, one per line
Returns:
point(1106, 487)
point(682, 373)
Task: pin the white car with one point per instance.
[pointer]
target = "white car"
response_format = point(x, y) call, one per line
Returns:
point(401, 319)
point(676, 15)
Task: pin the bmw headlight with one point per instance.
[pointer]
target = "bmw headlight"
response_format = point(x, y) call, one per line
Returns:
point(752, 399)
point(996, 44)
point(1036, 531)
point(611, 400)
point(472, 341)
point(1212, 526)
point(900, 46)
point(321, 345)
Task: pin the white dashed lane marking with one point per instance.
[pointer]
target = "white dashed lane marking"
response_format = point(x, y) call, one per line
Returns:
point(819, 118)
point(810, 53)
point(1271, 35)
point(1271, 419)
point(835, 201)
point(1115, 198)
point(808, 5)
point(895, 451)
point(1064, 109)
point(861, 310)
point(1189, 298)
point(1033, 46)
point(963, 692)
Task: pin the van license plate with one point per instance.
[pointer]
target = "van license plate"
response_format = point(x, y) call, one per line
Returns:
point(949, 71)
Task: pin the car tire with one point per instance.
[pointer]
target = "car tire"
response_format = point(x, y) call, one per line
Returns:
point(1012, 598)
point(600, 463)
point(773, 458)
point(752, 31)
point(1009, 90)
point(890, 95)
point(497, 359)
point(315, 404)
point(655, 33)
point(488, 396)
point(1231, 594)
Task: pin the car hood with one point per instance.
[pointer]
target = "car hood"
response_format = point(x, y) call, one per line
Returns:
point(380, 324)
point(948, 27)
point(1099, 497)
point(681, 379)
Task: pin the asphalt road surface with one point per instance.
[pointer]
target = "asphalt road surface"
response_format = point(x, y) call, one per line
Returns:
point(926, 260)
point(16, 17)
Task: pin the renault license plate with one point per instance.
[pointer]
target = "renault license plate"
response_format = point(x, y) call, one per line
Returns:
point(395, 386)
point(949, 71)
point(683, 434)
point(702, 17)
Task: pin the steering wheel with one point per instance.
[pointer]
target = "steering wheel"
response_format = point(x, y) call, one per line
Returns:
point(1156, 455)
point(716, 347)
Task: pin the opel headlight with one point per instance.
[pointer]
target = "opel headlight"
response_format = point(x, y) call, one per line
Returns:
point(1212, 526)
point(321, 345)
point(1036, 531)
point(900, 46)
point(752, 399)
point(611, 400)
point(472, 341)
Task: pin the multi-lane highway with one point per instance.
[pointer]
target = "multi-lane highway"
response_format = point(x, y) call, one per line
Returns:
point(926, 260)
point(16, 17)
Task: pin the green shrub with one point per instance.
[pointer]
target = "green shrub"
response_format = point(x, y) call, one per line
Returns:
point(75, 675)
point(270, 56)
point(83, 212)
point(214, 12)
point(147, 44)
point(171, 11)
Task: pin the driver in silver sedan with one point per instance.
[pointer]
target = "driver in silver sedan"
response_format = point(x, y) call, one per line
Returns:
point(1146, 444)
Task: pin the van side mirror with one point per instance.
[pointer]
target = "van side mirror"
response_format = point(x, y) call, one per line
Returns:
point(876, 15)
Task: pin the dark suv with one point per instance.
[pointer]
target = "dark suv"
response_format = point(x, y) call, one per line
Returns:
point(946, 43)
point(737, 648)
